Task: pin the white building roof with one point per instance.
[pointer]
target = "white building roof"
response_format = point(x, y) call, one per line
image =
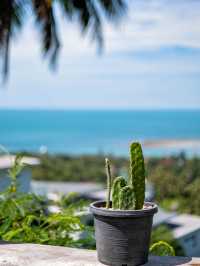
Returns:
point(6, 161)
point(184, 224)
point(49, 187)
point(162, 217)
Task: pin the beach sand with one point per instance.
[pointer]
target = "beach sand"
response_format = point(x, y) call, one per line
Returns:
point(172, 144)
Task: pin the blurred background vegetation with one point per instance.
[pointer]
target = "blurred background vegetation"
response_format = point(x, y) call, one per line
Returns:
point(176, 178)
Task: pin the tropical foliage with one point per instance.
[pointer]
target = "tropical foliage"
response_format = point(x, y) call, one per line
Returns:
point(25, 218)
point(87, 13)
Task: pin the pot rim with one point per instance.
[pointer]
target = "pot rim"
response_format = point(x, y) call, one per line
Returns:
point(96, 209)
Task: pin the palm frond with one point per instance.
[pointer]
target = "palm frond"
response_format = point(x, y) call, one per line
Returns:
point(88, 13)
point(10, 20)
point(43, 11)
point(113, 9)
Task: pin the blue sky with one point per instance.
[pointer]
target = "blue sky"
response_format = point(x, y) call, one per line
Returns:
point(151, 60)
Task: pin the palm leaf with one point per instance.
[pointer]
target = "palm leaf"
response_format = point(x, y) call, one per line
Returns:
point(88, 13)
point(43, 11)
point(10, 20)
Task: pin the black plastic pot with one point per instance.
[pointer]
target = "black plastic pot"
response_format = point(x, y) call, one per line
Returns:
point(123, 237)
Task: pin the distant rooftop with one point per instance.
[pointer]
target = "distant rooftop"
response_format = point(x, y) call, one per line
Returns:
point(52, 187)
point(162, 217)
point(6, 161)
point(184, 224)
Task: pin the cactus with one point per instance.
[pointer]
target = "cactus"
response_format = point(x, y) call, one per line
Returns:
point(126, 198)
point(118, 184)
point(162, 248)
point(109, 182)
point(137, 174)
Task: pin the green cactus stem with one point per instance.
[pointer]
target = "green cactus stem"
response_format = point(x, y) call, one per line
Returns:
point(137, 174)
point(109, 182)
point(118, 183)
point(162, 248)
point(126, 198)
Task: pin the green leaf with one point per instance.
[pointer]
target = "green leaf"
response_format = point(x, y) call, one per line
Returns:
point(12, 234)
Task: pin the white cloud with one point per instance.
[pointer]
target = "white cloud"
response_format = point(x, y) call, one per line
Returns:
point(150, 24)
point(136, 69)
point(157, 23)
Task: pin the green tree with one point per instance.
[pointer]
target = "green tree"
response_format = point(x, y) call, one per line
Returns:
point(88, 13)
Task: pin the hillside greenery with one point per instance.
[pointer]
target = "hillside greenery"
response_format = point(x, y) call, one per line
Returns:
point(176, 179)
point(177, 183)
point(75, 168)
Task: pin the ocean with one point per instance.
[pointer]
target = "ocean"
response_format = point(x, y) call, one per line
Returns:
point(91, 132)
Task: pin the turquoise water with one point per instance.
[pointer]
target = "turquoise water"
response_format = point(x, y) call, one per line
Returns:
point(91, 132)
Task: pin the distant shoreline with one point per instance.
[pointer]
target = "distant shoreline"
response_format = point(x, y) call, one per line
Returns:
point(151, 148)
point(172, 143)
point(106, 132)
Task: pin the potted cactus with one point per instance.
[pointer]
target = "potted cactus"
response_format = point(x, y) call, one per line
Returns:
point(123, 225)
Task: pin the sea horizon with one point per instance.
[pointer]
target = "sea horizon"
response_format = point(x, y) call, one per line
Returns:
point(162, 132)
point(99, 109)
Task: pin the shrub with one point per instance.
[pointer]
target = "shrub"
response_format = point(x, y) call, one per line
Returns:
point(25, 218)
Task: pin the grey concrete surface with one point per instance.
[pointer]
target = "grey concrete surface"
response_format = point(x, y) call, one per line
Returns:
point(42, 255)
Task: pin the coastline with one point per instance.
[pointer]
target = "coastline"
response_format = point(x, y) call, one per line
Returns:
point(100, 132)
point(172, 144)
point(151, 148)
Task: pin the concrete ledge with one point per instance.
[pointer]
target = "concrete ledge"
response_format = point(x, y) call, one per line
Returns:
point(42, 255)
